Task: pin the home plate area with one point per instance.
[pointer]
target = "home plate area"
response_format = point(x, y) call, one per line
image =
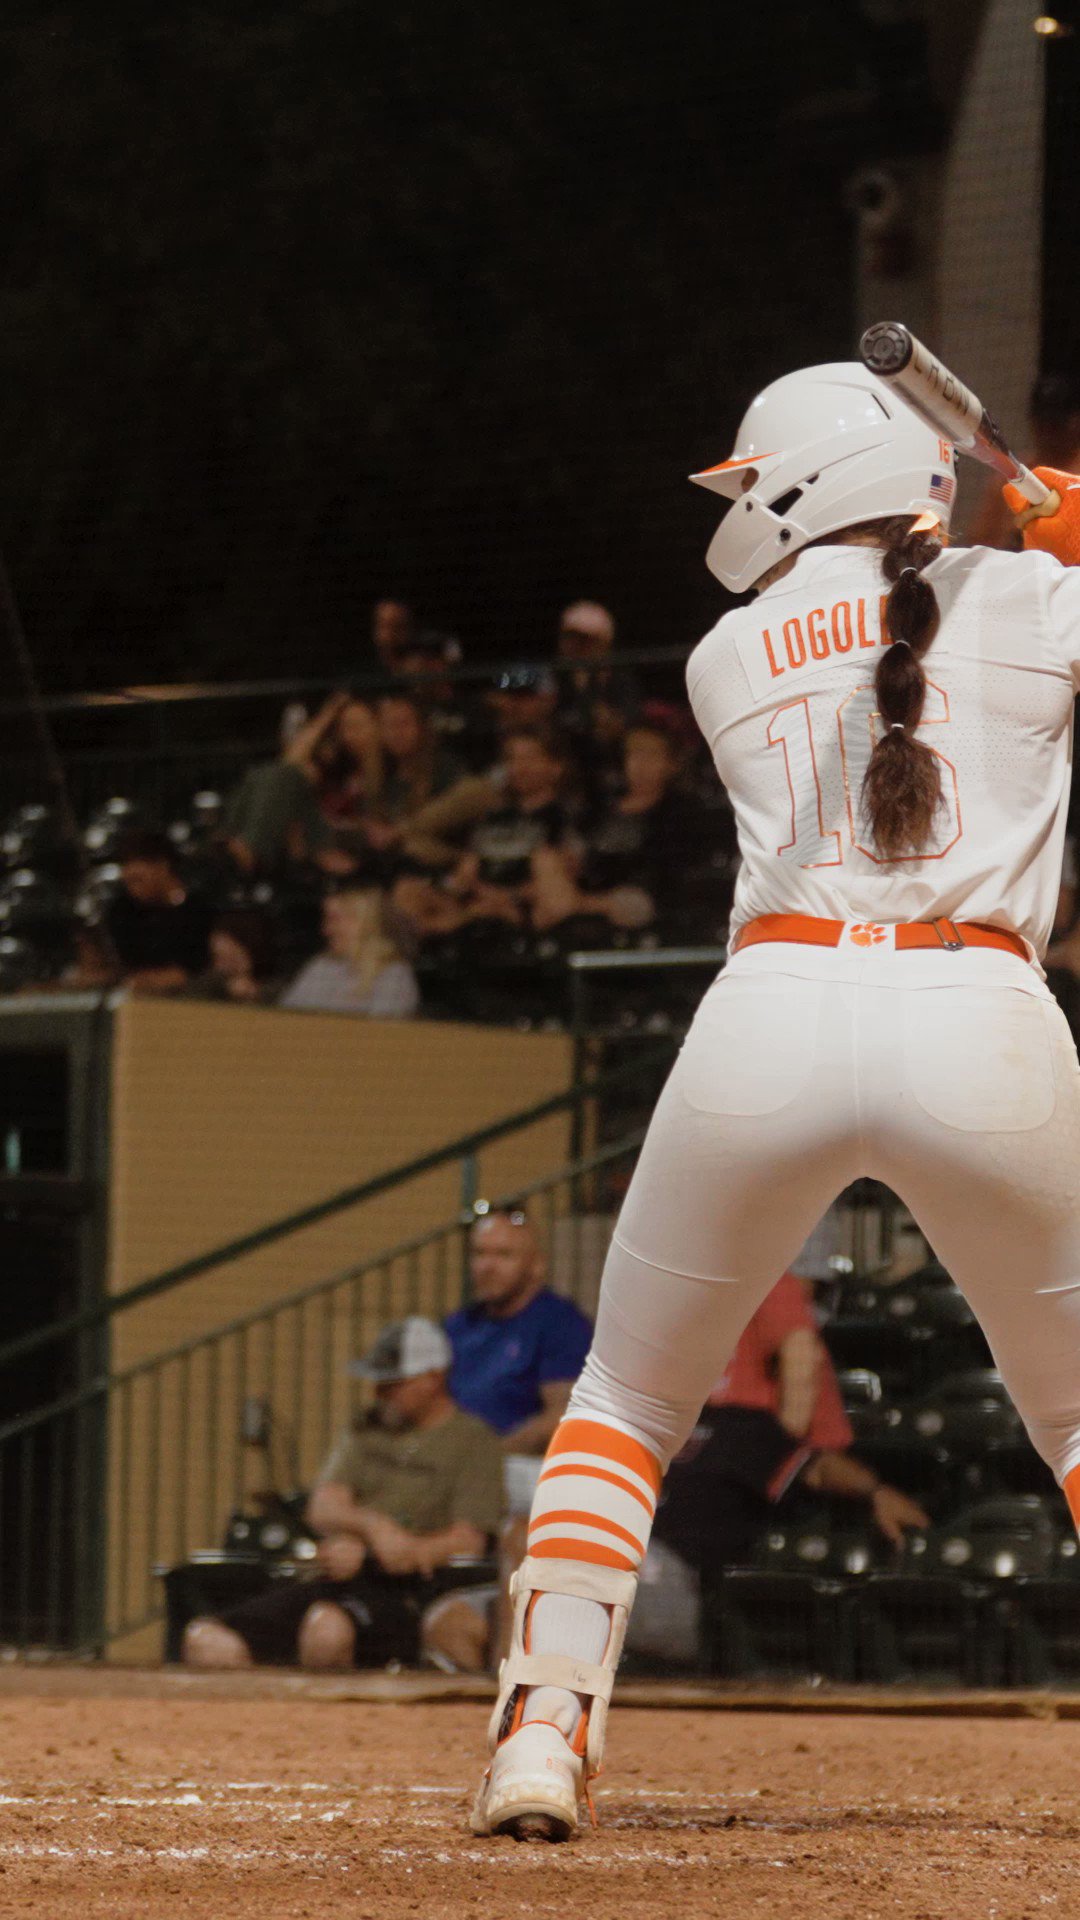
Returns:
point(128, 1797)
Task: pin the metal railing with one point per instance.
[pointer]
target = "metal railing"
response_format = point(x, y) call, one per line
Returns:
point(164, 743)
point(162, 1441)
point(465, 1151)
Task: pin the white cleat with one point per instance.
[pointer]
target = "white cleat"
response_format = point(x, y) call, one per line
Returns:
point(532, 1787)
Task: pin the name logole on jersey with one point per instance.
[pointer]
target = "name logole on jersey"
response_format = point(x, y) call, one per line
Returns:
point(783, 690)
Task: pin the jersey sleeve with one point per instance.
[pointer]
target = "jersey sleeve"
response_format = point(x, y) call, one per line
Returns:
point(565, 1343)
point(1062, 585)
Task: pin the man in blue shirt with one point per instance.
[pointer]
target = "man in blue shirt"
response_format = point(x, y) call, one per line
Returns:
point(518, 1347)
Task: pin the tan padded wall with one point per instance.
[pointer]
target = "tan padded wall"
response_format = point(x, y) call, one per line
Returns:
point(222, 1120)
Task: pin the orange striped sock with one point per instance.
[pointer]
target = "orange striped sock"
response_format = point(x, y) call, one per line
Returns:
point(594, 1501)
point(596, 1495)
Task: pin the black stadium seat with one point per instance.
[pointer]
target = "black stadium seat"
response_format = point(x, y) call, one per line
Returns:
point(823, 1546)
point(966, 1412)
point(787, 1626)
point(1040, 1627)
point(993, 1540)
point(935, 1632)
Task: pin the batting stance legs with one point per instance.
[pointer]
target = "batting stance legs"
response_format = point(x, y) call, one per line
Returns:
point(966, 1103)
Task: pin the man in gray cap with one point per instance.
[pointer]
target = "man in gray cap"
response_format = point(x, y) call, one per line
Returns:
point(412, 1484)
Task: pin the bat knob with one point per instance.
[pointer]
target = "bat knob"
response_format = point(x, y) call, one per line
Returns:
point(886, 348)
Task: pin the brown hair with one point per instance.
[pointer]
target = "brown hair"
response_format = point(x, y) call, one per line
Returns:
point(901, 792)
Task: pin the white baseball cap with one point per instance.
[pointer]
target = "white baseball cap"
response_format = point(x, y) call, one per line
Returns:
point(404, 1349)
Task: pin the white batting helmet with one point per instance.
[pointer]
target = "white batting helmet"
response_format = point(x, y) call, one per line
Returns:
point(817, 451)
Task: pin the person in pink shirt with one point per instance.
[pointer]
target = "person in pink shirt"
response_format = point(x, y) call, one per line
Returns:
point(775, 1418)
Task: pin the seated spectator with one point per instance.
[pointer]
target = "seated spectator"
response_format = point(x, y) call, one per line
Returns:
point(158, 931)
point(411, 1485)
point(288, 810)
point(518, 1347)
point(416, 768)
point(632, 863)
point(242, 959)
point(774, 1420)
point(523, 696)
point(597, 700)
point(522, 806)
point(393, 632)
point(520, 696)
point(362, 969)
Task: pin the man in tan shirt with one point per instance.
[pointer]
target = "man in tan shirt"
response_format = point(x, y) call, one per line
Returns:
point(408, 1488)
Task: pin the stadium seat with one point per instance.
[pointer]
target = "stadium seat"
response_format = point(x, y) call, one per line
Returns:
point(35, 912)
point(1040, 1627)
point(864, 1403)
point(787, 1626)
point(966, 1412)
point(993, 1540)
point(815, 1543)
point(108, 825)
point(20, 964)
point(100, 885)
point(876, 1342)
point(1009, 1466)
point(935, 1632)
point(918, 1467)
point(33, 837)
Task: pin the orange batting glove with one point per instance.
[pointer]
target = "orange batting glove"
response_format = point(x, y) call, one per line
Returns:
point(1058, 532)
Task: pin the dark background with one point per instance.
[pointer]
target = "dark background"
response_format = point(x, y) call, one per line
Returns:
point(305, 303)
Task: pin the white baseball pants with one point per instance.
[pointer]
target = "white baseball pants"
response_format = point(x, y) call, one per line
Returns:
point(952, 1078)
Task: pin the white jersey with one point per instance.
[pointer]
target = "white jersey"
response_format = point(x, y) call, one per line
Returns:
point(783, 690)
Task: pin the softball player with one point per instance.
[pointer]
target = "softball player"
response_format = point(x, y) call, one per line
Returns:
point(893, 723)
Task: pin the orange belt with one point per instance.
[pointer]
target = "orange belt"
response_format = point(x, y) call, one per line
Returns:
point(932, 935)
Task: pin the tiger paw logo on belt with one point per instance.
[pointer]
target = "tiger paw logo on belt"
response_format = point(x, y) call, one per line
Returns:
point(866, 935)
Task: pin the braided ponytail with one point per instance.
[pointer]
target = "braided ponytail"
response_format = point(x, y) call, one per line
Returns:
point(902, 789)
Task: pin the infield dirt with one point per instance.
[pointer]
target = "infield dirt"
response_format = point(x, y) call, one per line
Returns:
point(250, 1801)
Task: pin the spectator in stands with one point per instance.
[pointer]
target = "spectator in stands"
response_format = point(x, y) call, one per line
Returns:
point(393, 632)
point(362, 968)
point(416, 768)
point(243, 965)
point(775, 1419)
point(518, 1347)
point(523, 806)
point(630, 866)
point(412, 1485)
point(597, 700)
point(287, 810)
point(523, 696)
point(157, 929)
point(586, 636)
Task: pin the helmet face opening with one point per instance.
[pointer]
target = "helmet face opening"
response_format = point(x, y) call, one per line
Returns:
point(851, 452)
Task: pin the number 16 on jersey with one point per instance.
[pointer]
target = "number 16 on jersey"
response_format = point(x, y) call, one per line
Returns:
point(845, 740)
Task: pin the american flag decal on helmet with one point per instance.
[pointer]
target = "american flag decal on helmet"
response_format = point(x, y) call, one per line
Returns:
point(942, 487)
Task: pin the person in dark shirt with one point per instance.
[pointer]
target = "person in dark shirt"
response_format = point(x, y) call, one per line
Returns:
point(521, 807)
point(518, 1347)
point(158, 931)
point(632, 864)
